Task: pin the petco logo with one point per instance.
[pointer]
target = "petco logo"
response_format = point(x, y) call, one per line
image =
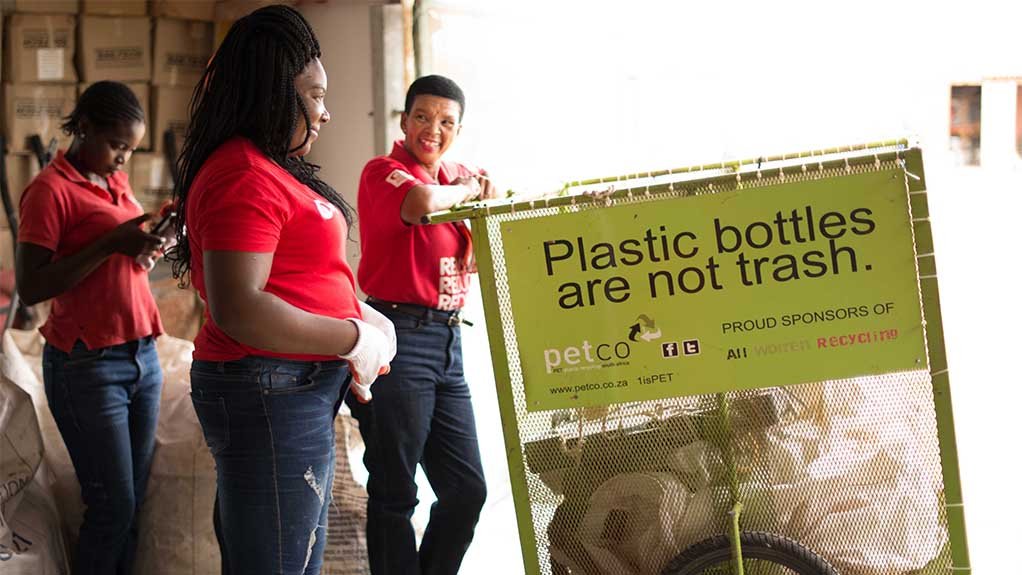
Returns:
point(557, 360)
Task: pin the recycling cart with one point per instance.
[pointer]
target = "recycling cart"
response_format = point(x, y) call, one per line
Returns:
point(730, 368)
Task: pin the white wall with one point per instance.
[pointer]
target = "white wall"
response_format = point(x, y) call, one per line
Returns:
point(569, 89)
point(346, 143)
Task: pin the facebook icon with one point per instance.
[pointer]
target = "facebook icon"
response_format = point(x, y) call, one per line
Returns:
point(669, 349)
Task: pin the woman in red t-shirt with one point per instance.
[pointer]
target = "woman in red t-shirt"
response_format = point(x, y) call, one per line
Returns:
point(79, 239)
point(263, 242)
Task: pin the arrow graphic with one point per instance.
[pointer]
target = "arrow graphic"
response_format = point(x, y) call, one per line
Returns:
point(645, 319)
point(635, 332)
point(651, 335)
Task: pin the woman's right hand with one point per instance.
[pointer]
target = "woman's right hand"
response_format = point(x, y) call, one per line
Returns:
point(369, 358)
point(131, 240)
point(472, 186)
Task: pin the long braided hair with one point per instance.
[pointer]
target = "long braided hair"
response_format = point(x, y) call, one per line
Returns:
point(248, 90)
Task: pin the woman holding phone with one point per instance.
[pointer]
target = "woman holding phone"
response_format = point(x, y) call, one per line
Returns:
point(262, 239)
point(80, 235)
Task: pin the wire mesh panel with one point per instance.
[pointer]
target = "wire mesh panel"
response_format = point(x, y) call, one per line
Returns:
point(849, 470)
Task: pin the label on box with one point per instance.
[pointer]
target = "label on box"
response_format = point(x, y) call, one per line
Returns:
point(186, 62)
point(32, 108)
point(50, 63)
point(119, 57)
point(36, 38)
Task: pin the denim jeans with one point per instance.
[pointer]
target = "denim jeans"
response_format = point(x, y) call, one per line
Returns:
point(421, 413)
point(269, 424)
point(106, 403)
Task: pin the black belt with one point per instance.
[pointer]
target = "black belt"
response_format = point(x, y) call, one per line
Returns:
point(421, 312)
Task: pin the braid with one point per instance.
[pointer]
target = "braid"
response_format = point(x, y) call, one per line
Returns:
point(105, 104)
point(248, 89)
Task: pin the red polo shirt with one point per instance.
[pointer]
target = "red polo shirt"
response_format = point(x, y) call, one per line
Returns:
point(242, 201)
point(64, 212)
point(418, 264)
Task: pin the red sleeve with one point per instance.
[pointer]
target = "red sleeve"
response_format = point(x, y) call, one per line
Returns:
point(240, 211)
point(385, 183)
point(43, 215)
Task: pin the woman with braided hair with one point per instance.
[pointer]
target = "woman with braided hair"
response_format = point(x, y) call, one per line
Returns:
point(79, 238)
point(263, 242)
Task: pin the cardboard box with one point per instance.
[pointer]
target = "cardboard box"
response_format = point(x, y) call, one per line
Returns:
point(187, 9)
point(170, 111)
point(231, 10)
point(115, 7)
point(6, 251)
point(181, 49)
point(115, 49)
point(21, 168)
point(43, 6)
point(40, 48)
point(36, 109)
point(150, 180)
point(141, 90)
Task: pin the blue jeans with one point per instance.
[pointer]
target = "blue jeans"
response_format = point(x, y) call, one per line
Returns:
point(421, 413)
point(269, 424)
point(106, 403)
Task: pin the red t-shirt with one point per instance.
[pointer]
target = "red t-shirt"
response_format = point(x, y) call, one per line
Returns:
point(244, 202)
point(418, 264)
point(64, 212)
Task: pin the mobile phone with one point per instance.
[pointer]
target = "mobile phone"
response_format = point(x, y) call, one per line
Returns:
point(162, 225)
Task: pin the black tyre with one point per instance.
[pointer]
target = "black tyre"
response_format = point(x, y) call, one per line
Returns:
point(762, 553)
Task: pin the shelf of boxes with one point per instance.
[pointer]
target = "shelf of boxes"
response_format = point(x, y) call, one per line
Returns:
point(54, 49)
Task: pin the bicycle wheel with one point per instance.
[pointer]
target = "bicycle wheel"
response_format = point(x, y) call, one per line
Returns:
point(762, 554)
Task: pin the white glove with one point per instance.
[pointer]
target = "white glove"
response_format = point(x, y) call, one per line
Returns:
point(381, 322)
point(369, 358)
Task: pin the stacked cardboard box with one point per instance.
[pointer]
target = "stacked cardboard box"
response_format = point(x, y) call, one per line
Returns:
point(114, 7)
point(54, 49)
point(230, 10)
point(45, 6)
point(38, 72)
point(181, 50)
point(150, 180)
point(204, 10)
point(170, 112)
point(36, 109)
point(115, 48)
point(40, 48)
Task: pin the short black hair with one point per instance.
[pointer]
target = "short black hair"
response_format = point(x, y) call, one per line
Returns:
point(105, 104)
point(435, 85)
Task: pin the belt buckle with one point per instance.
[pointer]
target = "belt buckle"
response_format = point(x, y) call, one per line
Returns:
point(454, 319)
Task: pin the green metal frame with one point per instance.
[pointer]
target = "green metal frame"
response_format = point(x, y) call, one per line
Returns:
point(727, 173)
point(930, 296)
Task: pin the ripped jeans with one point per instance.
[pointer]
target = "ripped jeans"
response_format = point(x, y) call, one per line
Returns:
point(269, 424)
